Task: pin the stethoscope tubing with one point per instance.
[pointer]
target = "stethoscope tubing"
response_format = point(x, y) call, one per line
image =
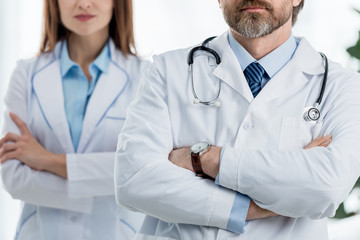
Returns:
point(196, 99)
point(203, 47)
point(312, 113)
point(323, 85)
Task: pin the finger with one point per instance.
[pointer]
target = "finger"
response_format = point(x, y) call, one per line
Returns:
point(19, 123)
point(2, 160)
point(326, 143)
point(8, 156)
point(7, 148)
point(9, 137)
point(318, 141)
point(328, 137)
point(314, 143)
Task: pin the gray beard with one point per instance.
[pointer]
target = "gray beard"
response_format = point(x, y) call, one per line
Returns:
point(254, 25)
point(254, 29)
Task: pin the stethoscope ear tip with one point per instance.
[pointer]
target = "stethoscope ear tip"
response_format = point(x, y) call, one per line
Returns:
point(211, 103)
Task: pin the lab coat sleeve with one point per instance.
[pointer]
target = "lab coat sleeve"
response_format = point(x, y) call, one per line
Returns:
point(317, 180)
point(20, 181)
point(90, 174)
point(147, 181)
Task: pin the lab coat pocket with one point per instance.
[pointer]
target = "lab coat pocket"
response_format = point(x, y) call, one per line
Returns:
point(112, 124)
point(116, 114)
point(297, 133)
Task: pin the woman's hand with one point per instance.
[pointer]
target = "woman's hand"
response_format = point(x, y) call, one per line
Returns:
point(25, 148)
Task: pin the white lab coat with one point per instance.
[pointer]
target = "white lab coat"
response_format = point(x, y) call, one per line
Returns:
point(263, 141)
point(84, 206)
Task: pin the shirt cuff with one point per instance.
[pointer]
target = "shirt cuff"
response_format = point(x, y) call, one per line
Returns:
point(217, 179)
point(237, 219)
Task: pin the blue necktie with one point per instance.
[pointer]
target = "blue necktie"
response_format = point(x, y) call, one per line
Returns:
point(254, 74)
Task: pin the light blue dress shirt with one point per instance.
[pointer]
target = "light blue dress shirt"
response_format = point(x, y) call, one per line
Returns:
point(272, 63)
point(77, 89)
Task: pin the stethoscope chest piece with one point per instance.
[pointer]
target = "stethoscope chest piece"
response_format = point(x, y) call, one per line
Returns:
point(311, 114)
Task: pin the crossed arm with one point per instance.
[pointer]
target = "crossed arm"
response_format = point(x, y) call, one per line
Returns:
point(210, 162)
point(313, 179)
point(26, 163)
point(28, 150)
point(25, 148)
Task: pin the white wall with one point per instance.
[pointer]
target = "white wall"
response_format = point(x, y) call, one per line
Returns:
point(20, 22)
point(160, 25)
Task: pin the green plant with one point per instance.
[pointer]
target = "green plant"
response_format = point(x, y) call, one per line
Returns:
point(354, 51)
point(340, 213)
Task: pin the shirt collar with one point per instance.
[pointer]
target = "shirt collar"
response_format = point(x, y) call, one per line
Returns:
point(65, 62)
point(101, 62)
point(273, 62)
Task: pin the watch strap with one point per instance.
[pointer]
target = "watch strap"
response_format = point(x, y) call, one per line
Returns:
point(195, 160)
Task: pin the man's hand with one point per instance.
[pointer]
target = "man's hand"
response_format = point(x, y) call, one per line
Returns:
point(256, 212)
point(210, 165)
point(209, 161)
point(319, 142)
point(181, 158)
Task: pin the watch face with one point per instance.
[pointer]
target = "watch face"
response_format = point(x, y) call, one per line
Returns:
point(199, 147)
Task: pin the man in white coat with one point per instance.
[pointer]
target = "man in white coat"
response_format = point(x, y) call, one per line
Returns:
point(251, 154)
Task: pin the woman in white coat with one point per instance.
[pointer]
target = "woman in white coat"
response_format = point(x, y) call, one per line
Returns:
point(63, 112)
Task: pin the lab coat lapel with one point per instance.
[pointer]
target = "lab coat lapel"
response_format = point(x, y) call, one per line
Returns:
point(229, 69)
point(47, 86)
point(306, 60)
point(109, 87)
point(285, 81)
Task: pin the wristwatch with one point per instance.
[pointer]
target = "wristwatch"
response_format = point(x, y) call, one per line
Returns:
point(196, 151)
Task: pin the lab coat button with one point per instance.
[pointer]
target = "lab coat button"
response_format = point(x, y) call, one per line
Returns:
point(74, 218)
point(247, 125)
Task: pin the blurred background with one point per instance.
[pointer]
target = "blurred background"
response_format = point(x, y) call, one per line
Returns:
point(161, 25)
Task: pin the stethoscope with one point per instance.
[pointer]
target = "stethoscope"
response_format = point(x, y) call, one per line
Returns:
point(214, 102)
point(311, 113)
